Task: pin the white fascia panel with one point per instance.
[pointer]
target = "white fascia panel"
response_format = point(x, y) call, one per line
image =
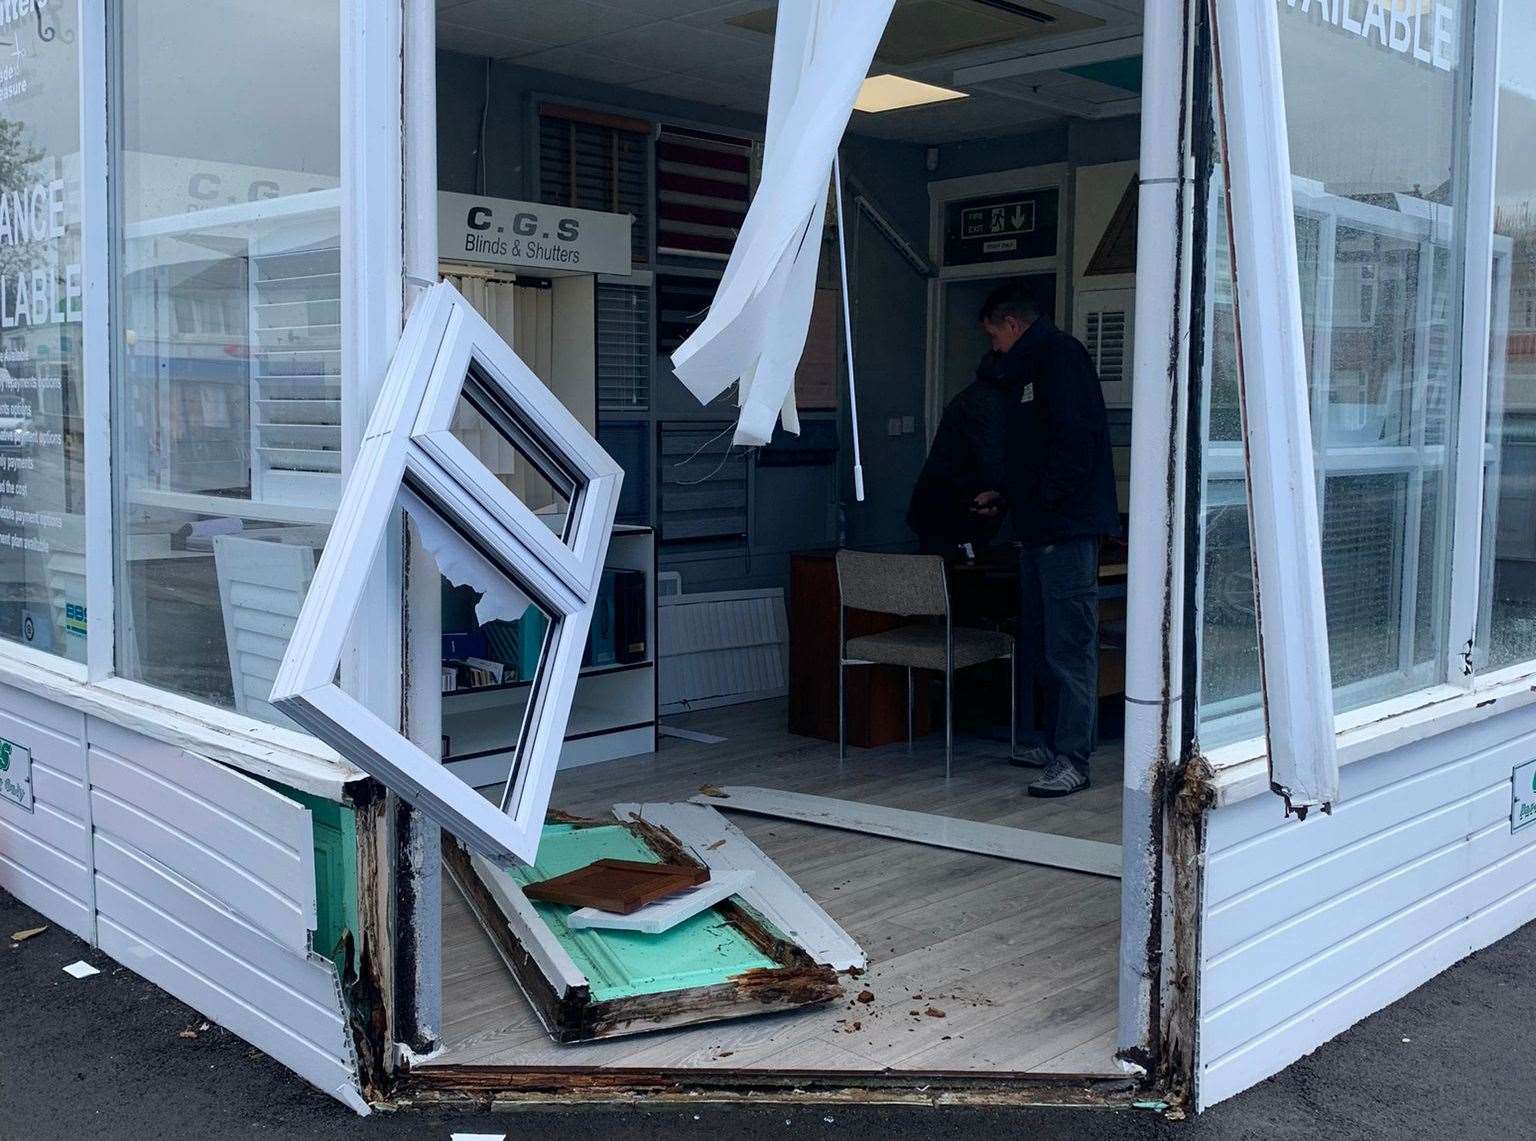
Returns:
point(1277, 433)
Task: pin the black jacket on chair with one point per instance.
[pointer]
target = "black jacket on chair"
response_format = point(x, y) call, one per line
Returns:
point(1060, 481)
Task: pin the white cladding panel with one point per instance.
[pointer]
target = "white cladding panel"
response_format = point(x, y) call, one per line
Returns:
point(45, 854)
point(247, 845)
point(1309, 927)
point(195, 876)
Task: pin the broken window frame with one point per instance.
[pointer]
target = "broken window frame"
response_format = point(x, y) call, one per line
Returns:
point(1295, 678)
point(408, 453)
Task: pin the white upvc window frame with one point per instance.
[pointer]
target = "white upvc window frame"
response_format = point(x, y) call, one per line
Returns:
point(1295, 681)
point(409, 456)
point(369, 71)
point(1462, 694)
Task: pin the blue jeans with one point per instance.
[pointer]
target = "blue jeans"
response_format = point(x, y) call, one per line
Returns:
point(1058, 646)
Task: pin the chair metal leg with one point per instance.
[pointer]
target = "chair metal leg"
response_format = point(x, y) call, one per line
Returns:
point(949, 720)
point(842, 716)
point(949, 692)
point(909, 709)
point(1013, 707)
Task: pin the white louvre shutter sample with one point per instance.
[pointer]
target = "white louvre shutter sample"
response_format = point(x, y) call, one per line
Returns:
point(296, 376)
point(261, 590)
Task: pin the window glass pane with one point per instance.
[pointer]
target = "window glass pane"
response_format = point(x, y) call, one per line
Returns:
point(1509, 572)
point(42, 427)
point(509, 449)
point(227, 393)
point(1375, 110)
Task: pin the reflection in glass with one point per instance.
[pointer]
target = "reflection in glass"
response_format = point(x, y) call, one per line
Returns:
point(42, 427)
point(1509, 539)
point(500, 439)
point(227, 386)
point(1375, 194)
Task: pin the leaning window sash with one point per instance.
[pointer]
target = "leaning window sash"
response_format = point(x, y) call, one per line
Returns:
point(1295, 679)
point(483, 536)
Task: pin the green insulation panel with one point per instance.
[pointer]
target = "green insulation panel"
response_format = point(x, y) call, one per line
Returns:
point(698, 952)
point(335, 828)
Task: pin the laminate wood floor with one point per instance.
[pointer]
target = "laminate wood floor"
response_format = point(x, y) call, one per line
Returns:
point(1021, 960)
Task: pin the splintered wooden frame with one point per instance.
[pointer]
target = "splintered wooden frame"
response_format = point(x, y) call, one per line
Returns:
point(410, 456)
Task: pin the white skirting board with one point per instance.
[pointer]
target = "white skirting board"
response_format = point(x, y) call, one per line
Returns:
point(664, 914)
point(718, 843)
point(1091, 856)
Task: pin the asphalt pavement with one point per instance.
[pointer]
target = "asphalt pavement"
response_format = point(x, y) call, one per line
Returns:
point(112, 1057)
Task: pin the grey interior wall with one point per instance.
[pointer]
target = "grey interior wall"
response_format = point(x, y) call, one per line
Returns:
point(889, 301)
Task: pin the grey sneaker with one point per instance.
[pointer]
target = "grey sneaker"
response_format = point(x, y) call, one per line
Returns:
point(1061, 779)
point(1034, 757)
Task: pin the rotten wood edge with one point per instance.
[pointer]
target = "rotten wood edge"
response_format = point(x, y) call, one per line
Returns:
point(510, 1087)
point(797, 981)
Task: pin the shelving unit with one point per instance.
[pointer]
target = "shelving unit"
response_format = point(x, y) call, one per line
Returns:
point(613, 714)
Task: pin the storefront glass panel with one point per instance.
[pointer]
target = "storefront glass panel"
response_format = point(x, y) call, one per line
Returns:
point(1375, 105)
point(228, 335)
point(1509, 545)
point(42, 425)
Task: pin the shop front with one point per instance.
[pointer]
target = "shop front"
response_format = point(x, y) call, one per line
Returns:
point(423, 477)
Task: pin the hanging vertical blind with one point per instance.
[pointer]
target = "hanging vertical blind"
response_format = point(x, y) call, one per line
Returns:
point(594, 161)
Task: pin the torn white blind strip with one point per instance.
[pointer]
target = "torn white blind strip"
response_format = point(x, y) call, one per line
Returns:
point(725, 848)
point(664, 914)
point(1091, 856)
point(755, 330)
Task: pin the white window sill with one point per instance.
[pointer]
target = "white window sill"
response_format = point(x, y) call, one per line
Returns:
point(283, 755)
point(1241, 769)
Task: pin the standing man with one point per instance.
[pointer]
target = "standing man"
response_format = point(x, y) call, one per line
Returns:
point(1059, 489)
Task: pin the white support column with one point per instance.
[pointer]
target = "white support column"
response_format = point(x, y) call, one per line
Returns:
point(1277, 423)
point(1463, 653)
point(419, 945)
point(1155, 606)
point(371, 269)
point(96, 337)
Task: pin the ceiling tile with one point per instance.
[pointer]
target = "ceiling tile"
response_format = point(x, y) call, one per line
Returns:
point(672, 47)
point(475, 41)
point(692, 88)
point(670, 9)
point(551, 22)
point(584, 65)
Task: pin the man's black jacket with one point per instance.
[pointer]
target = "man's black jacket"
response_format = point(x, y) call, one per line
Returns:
point(1060, 479)
point(968, 457)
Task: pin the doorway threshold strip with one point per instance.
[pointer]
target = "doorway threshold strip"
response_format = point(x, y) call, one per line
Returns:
point(715, 841)
point(1093, 857)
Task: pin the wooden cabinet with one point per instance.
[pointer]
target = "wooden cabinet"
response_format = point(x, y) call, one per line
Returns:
point(876, 695)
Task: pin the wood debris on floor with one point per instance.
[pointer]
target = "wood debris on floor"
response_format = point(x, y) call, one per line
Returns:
point(1093, 857)
point(586, 983)
point(618, 887)
point(715, 841)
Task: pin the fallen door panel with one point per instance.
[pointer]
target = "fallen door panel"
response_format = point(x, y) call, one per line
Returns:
point(586, 984)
